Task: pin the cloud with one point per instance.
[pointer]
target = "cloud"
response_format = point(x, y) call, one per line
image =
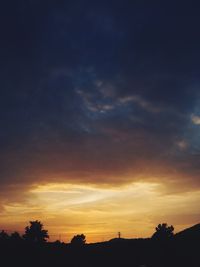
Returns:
point(105, 104)
point(100, 211)
point(139, 101)
point(183, 145)
point(195, 119)
point(93, 104)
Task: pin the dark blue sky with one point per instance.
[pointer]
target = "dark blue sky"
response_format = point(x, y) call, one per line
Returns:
point(99, 91)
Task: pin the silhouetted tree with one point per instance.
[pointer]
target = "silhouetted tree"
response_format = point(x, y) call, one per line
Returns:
point(78, 240)
point(3, 236)
point(35, 232)
point(15, 237)
point(163, 232)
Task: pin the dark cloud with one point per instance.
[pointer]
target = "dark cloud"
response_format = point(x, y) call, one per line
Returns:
point(100, 91)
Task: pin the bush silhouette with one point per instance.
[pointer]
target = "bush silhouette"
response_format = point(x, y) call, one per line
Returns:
point(15, 237)
point(163, 232)
point(35, 232)
point(78, 240)
point(3, 236)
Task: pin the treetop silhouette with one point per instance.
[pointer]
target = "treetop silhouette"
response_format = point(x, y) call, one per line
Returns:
point(163, 232)
point(4, 236)
point(35, 232)
point(78, 240)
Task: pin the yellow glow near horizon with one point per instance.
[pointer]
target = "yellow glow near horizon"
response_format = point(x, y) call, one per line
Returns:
point(100, 212)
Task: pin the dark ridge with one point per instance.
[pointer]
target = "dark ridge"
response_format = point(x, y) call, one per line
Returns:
point(190, 233)
point(180, 250)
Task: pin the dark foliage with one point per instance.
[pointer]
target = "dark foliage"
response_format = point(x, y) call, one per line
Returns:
point(3, 236)
point(78, 240)
point(178, 251)
point(35, 232)
point(163, 232)
point(15, 237)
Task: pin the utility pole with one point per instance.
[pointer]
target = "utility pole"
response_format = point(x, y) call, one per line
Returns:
point(119, 235)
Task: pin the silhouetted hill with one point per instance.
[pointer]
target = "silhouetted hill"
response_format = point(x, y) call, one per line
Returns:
point(180, 251)
point(190, 233)
point(127, 241)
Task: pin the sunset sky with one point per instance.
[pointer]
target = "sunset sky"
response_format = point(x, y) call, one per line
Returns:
point(99, 116)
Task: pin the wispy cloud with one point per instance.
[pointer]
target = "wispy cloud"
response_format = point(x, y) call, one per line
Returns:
point(93, 104)
point(101, 211)
point(141, 102)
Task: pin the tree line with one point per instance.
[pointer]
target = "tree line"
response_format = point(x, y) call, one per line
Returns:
point(35, 233)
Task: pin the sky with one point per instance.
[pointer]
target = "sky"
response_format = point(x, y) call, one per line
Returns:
point(99, 116)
